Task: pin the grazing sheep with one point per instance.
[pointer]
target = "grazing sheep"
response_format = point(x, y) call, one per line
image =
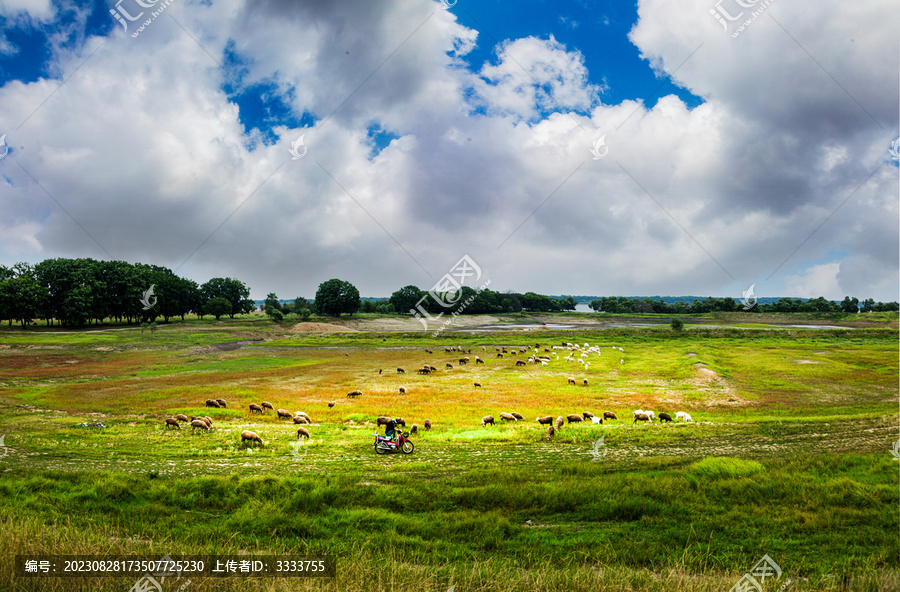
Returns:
point(208, 420)
point(382, 420)
point(545, 420)
point(304, 414)
point(401, 371)
point(609, 415)
point(521, 362)
point(433, 369)
point(252, 436)
point(587, 414)
point(379, 370)
point(478, 384)
point(487, 419)
point(301, 419)
point(182, 417)
point(199, 423)
point(550, 432)
point(518, 416)
point(222, 402)
point(650, 414)
point(499, 355)
point(402, 390)
point(171, 421)
point(585, 382)
point(450, 366)
point(684, 416)
point(212, 403)
point(302, 432)
point(478, 360)
point(663, 416)
point(463, 361)
point(425, 370)
point(427, 424)
point(352, 394)
point(332, 404)
point(428, 350)
point(507, 417)
point(414, 429)
point(559, 422)
point(284, 413)
point(641, 417)
point(571, 381)
point(267, 405)
point(399, 421)
point(597, 420)
point(574, 418)
point(255, 407)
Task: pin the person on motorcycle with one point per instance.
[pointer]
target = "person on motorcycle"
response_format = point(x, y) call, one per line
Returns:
point(390, 428)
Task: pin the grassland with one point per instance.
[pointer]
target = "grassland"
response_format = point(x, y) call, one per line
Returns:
point(789, 455)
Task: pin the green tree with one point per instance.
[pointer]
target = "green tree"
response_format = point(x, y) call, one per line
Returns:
point(305, 312)
point(232, 290)
point(850, 305)
point(218, 306)
point(567, 303)
point(677, 324)
point(335, 297)
point(406, 298)
point(272, 305)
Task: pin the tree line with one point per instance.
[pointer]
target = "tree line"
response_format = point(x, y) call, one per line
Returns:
point(74, 292)
point(622, 304)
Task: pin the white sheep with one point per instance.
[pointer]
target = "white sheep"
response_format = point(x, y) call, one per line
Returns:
point(683, 416)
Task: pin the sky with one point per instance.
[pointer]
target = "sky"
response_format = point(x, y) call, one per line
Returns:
point(564, 147)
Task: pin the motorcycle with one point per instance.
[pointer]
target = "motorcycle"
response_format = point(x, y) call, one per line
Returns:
point(387, 445)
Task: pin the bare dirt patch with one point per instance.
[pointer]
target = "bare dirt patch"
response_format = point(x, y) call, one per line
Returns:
point(319, 328)
point(807, 361)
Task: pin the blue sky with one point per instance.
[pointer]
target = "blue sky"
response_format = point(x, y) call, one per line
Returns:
point(762, 159)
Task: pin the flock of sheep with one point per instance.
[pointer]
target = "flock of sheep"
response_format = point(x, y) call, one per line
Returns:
point(576, 353)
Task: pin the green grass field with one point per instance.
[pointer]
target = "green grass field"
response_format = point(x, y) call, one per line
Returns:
point(788, 455)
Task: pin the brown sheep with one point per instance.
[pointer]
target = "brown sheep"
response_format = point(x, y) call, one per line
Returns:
point(521, 362)
point(382, 420)
point(354, 394)
point(304, 414)
point(302, 432)
point(550, 433)
point(222, 402)
point(478, 360)
point(212, 403)
point(518, 416)
point(414, 430)
point(401, 371)
point(499, 355)
point(665, 417)
point(332, 404)
point(559, 422)
point(267, 405)
point(402, 390)
point(588, 414)
point(450, 366)
point(284, 413)
point(301, 419)
point(463, 361)
point(207, 420)
point(573, 418)
point(609, 415)
point(252, 436)
point(571, 381)
point(427, 424)
point(585, 382)
point(433, 369)
point(199, 423)
point(545, 420)
point(507, 416)
point(641, 417)
point(182, 417)
point(487, 419)
point(428, 350)
point(255, 407)
point(478, 384)
point(171, 421)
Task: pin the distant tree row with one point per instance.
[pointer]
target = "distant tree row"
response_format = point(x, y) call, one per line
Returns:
point(73, 292)
point(486, 301)
point(622, 304)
